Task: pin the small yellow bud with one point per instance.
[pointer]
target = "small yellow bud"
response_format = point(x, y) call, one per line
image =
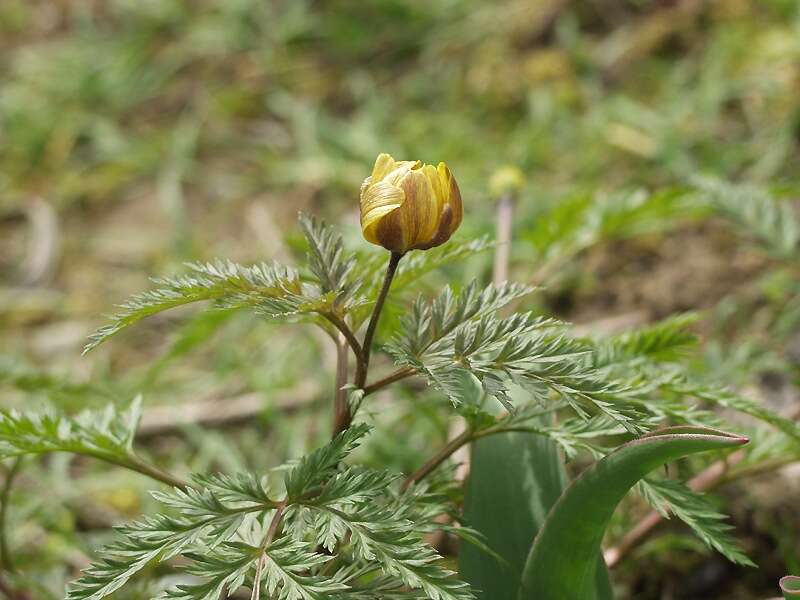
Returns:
point(506, 180)
point(407, 205)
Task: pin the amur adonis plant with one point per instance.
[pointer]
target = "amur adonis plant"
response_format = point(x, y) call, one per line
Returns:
point(322, 528)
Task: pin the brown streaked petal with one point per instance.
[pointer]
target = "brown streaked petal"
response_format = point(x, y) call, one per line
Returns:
point(455, 204)
point(390, 232)
point(443, 233)
point(421, 214)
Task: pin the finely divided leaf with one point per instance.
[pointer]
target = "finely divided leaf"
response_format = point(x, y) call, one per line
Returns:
point(204, 521)
point(755, 211)
point(107, 435)
point(270, 289)
point(328, 261)
point(459, 336)
point(668, 496)
point(322, 464)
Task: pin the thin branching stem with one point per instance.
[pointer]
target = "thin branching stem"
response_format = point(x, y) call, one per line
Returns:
point(437, 459)
point(135, 463)
point(465, 437)
point(275, 524)
point(274, 529)
point(345, 416)
point(398, 375)
point(348, 334)
point(5, 555)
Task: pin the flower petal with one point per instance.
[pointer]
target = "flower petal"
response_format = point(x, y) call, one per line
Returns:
point(377, 201)
point(383, 164)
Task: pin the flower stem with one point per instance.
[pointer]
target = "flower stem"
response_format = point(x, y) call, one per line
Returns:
point(366, 346)
point(344, 419)
point(340, 408)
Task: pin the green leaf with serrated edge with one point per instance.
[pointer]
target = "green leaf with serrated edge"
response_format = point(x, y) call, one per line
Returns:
point(790, 587)
point(664, 341)
point(668, 496)
point(562, 564)
point(103, 434)
point(270, 289)
point(321, 464)
point(326, 257)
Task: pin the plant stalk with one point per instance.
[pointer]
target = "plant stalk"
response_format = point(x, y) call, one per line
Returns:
point(140, 466)
point(5, 555)
point(437, 459)
point(504, 217)
point(348, 334)
point(465, 437)
point(366, 346)
point(275, 524)
point(388, 380)
point(344, 415)
point(340, 409)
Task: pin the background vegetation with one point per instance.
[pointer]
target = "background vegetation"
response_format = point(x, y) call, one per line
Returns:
point(136, 135)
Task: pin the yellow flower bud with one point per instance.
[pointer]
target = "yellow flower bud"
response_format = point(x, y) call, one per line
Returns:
point(407, 205)
point(506, 180)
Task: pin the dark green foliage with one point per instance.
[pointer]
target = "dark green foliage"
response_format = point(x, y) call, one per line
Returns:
point(221, 525)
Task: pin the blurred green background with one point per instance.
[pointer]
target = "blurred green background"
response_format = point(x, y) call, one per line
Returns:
point(136, 135)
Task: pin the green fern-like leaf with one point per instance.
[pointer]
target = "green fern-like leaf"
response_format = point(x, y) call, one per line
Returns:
point(219, 523)
point(668, 496)
point(667, 340)
point(203, 520)
point(270, 289)
point(755, 212)
point(418, 264)
point(224, 572)
point(321, 465)
point(285, 567)
point(107, 435)
point(328, 261)
point(431, 322)
point(458, 336)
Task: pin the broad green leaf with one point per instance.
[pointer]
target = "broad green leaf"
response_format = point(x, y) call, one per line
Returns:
point(515, 478)
point(562, 564)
